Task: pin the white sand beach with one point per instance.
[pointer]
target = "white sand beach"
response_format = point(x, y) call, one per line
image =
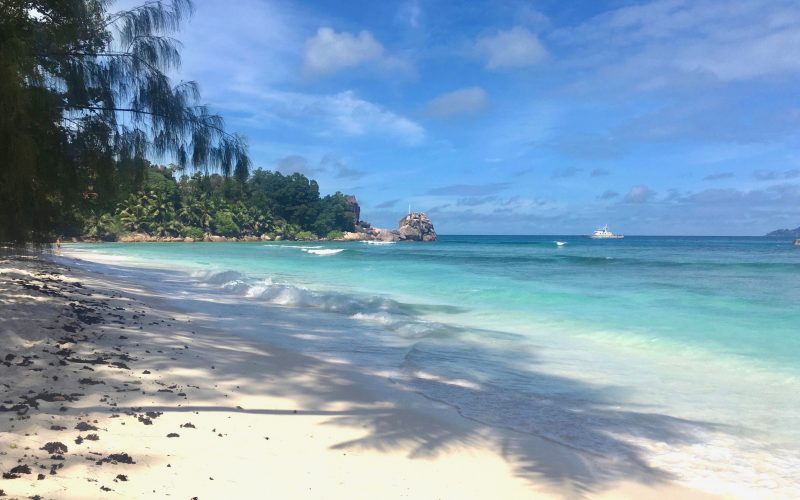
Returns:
point(112, 390)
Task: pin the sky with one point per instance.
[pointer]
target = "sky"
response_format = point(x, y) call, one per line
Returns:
point(674, 117)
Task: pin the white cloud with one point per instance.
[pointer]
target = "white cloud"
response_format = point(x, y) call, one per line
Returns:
point(409, 13)
point(659, 44)
point(515, 48)
point(463, 101)
point(342, 114)
point(730, 60)
point(639, 194)
point(358, 117)
point(296, 163)
point(329, 52)
point(340, 169)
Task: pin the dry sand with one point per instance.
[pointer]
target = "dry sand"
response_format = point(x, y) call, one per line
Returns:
point(109, 391)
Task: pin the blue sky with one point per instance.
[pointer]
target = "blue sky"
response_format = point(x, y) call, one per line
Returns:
point(512, 117)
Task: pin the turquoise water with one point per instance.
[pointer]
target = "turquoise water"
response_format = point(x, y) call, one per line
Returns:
point(647, 345)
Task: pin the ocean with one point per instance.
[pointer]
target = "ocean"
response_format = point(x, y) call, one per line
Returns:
point(677, 352)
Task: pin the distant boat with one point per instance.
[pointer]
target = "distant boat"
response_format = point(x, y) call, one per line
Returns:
point(797, 242)
point(604, 234)
point(561, 243)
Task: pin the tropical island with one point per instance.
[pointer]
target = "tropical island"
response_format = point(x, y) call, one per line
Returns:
point(155, 205)
point(785, 233)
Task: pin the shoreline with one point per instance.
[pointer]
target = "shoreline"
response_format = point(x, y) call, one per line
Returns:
point(331, 429)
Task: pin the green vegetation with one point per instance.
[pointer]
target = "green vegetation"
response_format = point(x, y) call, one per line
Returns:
point(84, 101)
point(162, 205)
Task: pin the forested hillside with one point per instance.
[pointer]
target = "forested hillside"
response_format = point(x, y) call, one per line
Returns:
point(158, 202)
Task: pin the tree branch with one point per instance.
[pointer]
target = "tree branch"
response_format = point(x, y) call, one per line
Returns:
point(119, 15)
point(149, 113)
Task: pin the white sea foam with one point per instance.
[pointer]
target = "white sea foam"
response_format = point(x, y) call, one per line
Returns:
point(381, 318)
point(287, 294)
point(236, 286)
point(326, 251)
point(372, 242)
point(218, 277)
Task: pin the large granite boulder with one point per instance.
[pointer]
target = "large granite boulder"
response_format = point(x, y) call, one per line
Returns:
point(378, 234)
point(416, 226)
point(355, 208)
point(353, 236)
point(134, 238)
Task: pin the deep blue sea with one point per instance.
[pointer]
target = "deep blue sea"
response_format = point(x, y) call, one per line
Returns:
point(683, 349)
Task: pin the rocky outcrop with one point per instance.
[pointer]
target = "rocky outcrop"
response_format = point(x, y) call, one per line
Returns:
point(134, 238)
point(147, 238)
point(352, 236)
point(355, 207)
point(416, 226)
point(208, 237)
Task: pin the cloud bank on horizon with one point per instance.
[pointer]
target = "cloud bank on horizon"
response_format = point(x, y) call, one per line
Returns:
point(656, 117)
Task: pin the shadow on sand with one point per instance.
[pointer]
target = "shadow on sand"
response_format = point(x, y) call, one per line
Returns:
point(578, 440)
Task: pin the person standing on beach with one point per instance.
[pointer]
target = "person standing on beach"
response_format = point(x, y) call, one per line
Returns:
point(58, 245)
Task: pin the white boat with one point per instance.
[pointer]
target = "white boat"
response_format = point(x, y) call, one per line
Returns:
point(604, 234)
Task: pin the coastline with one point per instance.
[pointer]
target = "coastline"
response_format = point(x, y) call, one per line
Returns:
point(332, 430)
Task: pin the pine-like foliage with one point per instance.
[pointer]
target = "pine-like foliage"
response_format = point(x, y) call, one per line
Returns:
point(85, 98)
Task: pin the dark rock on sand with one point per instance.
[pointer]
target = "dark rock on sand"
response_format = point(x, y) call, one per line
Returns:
point(55, 447)
point(89, 381)
point(116, 458)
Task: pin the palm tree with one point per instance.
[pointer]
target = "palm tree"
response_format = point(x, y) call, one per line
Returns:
point(162, 212)
point(134, 213)
point(198, 211)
